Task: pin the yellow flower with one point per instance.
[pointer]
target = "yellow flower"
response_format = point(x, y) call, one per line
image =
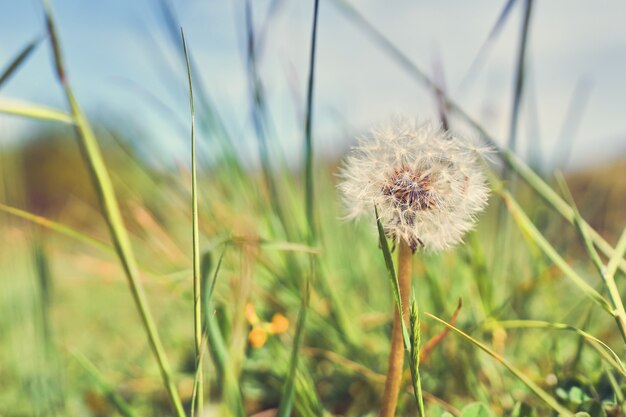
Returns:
point(261, 330)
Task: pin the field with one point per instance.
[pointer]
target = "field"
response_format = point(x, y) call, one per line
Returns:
point(117, 278)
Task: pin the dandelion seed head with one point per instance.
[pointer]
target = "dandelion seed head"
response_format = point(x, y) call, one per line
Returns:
point(427, 184)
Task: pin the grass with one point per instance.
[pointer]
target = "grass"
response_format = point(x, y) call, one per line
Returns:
point(543, 339)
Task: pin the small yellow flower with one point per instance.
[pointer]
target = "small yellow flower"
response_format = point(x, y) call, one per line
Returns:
point(257, 337)
point(279, 324)
point(261, 330)
point(251, 315)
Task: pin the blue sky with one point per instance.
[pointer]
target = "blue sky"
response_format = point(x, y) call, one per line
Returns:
point(125, 70)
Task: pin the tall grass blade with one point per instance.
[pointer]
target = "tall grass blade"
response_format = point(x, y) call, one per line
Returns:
point(606, 273)
point(308, 140)
point(57, 227)
point(519, 77)
point(111, 210)
point(209, 120)
point(530, 230)
point(393, 278)
point(20, 58)
point(542, 394)
point(197, 308)
point(34, 111)
point(286, 401)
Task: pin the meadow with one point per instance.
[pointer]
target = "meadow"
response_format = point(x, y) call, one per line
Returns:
point(223, 289)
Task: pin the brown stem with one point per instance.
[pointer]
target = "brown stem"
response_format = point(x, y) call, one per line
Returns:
point(396, 355)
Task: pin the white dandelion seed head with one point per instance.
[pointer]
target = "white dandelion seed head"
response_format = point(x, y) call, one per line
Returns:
point(427, 184)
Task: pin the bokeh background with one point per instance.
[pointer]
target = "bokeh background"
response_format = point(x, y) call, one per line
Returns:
point(125, 68)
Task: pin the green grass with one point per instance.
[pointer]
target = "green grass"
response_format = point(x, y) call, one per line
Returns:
point(538, 333)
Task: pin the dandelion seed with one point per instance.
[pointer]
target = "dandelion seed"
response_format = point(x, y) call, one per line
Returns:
point(427, 184)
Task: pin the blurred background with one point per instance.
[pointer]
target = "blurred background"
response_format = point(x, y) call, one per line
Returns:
point(126, 69)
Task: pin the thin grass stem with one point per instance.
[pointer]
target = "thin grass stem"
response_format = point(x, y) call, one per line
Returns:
point(197, 300)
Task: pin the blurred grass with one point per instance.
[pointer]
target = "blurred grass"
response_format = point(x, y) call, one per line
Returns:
point(72, 345)
point(89, 294)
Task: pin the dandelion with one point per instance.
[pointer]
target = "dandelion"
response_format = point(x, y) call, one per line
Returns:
point(427, 186)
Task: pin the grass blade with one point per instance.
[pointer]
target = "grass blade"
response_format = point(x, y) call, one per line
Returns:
point(531, 231)
point(393, 278)
point(197, 308)
point(602, 348)
point(34, 111)
point(57, 227)
point(308, 140)
point(19, 60)
point(111, 210)
point(286, 402)
point(543, 395)
point(519, 77)
point(606, 273)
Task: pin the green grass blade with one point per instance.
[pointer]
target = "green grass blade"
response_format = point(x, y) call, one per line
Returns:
point(542, 394)
point(57, 227)
point(602, 348)
point(286, 402)
point(111, 211)
point(34, 111)
point(530, 230)
point(606, 273)
point(393, 278)
point(551, 197)
point(618, 255)
point(19, 60)
point(578, 222)
point(519, 77)
point(308, 140)
point(197, 308)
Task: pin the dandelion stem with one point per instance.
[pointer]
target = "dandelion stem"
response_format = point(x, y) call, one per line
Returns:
point(396, 355)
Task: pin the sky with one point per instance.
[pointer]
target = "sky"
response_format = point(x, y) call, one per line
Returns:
point(127, 71)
